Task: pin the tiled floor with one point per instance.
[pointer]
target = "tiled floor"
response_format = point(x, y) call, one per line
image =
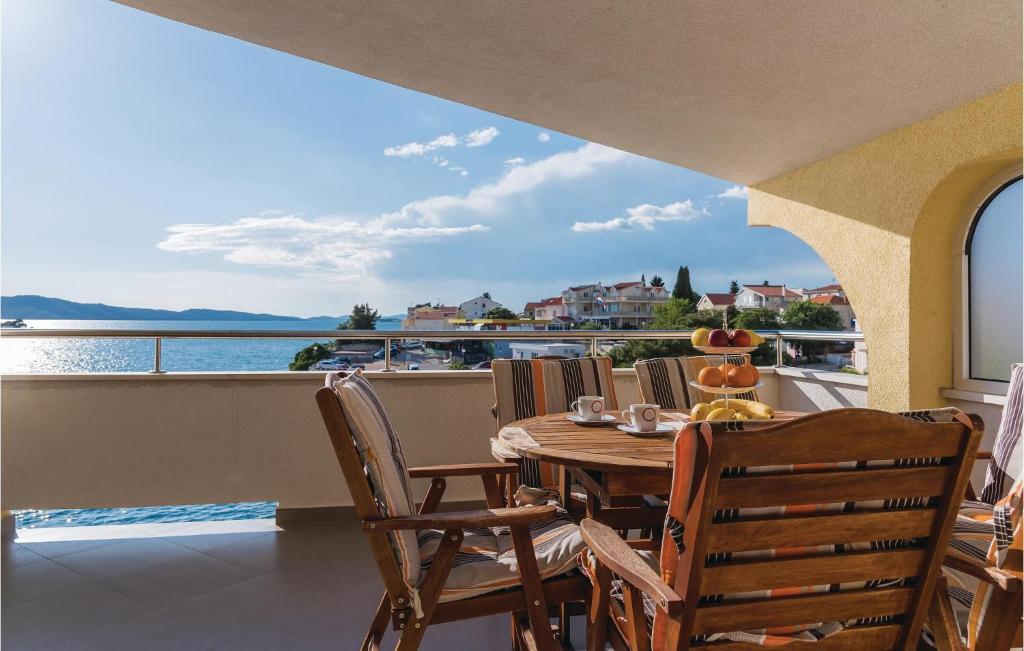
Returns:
point(244, 585)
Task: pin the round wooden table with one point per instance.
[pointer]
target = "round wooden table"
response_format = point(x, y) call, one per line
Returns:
point(614, 467)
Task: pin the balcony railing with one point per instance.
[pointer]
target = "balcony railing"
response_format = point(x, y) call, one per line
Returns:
point(593, 337)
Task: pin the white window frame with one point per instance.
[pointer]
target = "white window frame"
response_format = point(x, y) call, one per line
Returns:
point(962, 379)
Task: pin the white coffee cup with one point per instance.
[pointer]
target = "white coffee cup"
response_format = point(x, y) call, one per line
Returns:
point(588, 407)
point(642, 417)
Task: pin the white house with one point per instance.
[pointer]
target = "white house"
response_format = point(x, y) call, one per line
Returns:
point(476, 308)
point(527, 350)
point(716, 302)
point(776, 297)
point(840, 304)
point(546, 308)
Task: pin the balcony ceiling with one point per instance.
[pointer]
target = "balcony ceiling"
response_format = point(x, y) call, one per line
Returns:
point(740, 90)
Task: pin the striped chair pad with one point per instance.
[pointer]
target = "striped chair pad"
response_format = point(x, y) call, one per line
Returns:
point(1007, 458)
point(486, 561)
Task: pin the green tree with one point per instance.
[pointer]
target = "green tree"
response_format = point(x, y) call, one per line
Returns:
point(683, 288)
point(590, 325)
point(804, 315)
point(734, 287)
point(363, 317)
point(456, 365)
point(499, 313)
point(761, 318)
point(657, 281)
point(487, 295)
point(643, 279)
point(702, 319)
point(310, 355)
point(670, 314)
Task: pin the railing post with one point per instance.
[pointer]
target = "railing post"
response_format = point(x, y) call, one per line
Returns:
point(593, 346)
point(780, 360)
point(387, 355)
point(157, 353)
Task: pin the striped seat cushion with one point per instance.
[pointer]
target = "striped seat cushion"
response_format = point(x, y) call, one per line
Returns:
point(380, 452)
point(487, 562)
point(671, 550)
point(663, 382)
point(524, 388)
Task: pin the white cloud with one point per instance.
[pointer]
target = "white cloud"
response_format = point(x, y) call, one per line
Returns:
point(644, 217)
point(342, 247)
point(735, 192)
point(419, 149)
point(480, 137)
point(543, 136)
point(488, 198)
point(518, 160)
point(463, 172)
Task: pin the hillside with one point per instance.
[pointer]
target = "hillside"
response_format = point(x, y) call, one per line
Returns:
point(44, 307)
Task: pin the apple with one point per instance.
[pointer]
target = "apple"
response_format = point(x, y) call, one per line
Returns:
point(718, 338)
point(739, 338)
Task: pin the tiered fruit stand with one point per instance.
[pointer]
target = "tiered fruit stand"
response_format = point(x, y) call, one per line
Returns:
point(725, 351)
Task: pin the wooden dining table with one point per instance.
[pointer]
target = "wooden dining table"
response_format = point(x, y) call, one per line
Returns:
point(614, 468)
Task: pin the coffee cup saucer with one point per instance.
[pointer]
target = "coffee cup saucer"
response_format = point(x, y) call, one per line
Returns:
point(662, 428)
point(579, 420)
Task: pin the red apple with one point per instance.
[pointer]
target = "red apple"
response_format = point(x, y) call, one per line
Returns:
point(718, 338)
point(739, 338)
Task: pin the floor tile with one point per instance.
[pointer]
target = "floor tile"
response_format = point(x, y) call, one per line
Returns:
point(123, 557)
point(178, 580)
point(15, 555)
point(35, 580)
point(70, 614)
point(56, 549)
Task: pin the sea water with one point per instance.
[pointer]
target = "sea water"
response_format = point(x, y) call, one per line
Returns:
point(54, 356)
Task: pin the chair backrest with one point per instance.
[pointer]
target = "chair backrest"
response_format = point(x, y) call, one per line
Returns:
point(524, 388)
point(663, 382)
point(1004, 467)
point(692, 367)
point(370, 454)
point(831, 524)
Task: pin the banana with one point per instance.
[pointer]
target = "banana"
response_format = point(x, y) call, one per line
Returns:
point(755, 339)
point(700, 411)
point(741, 415)
point(721, 414)
point(757, 410)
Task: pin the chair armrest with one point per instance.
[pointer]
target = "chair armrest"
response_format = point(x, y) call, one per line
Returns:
point(1008, 581)
point(462, 470)
point(983, 454)
point(616, 554)
point(521, 516)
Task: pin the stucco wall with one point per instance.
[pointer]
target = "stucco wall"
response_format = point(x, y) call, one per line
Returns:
point(136, 439)
point(885, 216)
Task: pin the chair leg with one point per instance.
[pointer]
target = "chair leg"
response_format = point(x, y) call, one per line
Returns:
point(597, 614)
point(430, 592)
point(377, 627)
point(942, 621)
point(529, 574)
point(1001, 623)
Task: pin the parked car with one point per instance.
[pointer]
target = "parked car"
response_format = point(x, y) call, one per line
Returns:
point(330, 365)
point(482, 365)
point(357, 366)
point(414, 367)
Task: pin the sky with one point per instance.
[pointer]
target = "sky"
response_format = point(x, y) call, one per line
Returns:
point(147, 163)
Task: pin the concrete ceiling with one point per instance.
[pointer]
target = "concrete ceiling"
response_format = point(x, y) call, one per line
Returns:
point(741, 90)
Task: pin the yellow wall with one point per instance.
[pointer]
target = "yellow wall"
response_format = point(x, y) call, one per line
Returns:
point(886, 216)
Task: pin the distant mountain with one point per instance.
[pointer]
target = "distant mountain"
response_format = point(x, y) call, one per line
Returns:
point(44, 307)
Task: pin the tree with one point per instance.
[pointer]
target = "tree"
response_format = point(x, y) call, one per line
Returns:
point(643, 279)
point(308, 356)
point(590, 325)
point(363, 317)
point(804, 315)
point(499, 313)
point(734, 288)
point(683, 288)
point(487, 295)
point(671, 314)
point(761, 318)
point(657, 281)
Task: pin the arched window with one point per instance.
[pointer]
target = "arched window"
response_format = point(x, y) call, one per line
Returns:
point(994, 255)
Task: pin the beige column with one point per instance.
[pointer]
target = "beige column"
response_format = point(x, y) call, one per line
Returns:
point(887, 217)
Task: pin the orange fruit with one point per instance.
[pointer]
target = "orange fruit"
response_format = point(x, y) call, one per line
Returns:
point(754, 372)
point(725, 368)
point(710, 376)
point(740, 376)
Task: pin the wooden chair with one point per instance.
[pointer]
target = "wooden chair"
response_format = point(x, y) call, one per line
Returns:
point(451, 566)
point(985, 596)
point(740, 538)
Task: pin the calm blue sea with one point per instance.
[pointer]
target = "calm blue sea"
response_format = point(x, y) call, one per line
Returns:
point(127, 355)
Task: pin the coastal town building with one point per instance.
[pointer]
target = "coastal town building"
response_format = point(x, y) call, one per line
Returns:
point(840, 304)
point(530, 350)
point(621, 305)
point(476, 308)
point(430, 317)
point(777, 297)
point(546, 308)
point(716, 302)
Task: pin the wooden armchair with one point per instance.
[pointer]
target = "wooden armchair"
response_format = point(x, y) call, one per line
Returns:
point(769, 536)
point(515, 560)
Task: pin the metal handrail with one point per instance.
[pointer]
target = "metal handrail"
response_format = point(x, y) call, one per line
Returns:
point(594, 337)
